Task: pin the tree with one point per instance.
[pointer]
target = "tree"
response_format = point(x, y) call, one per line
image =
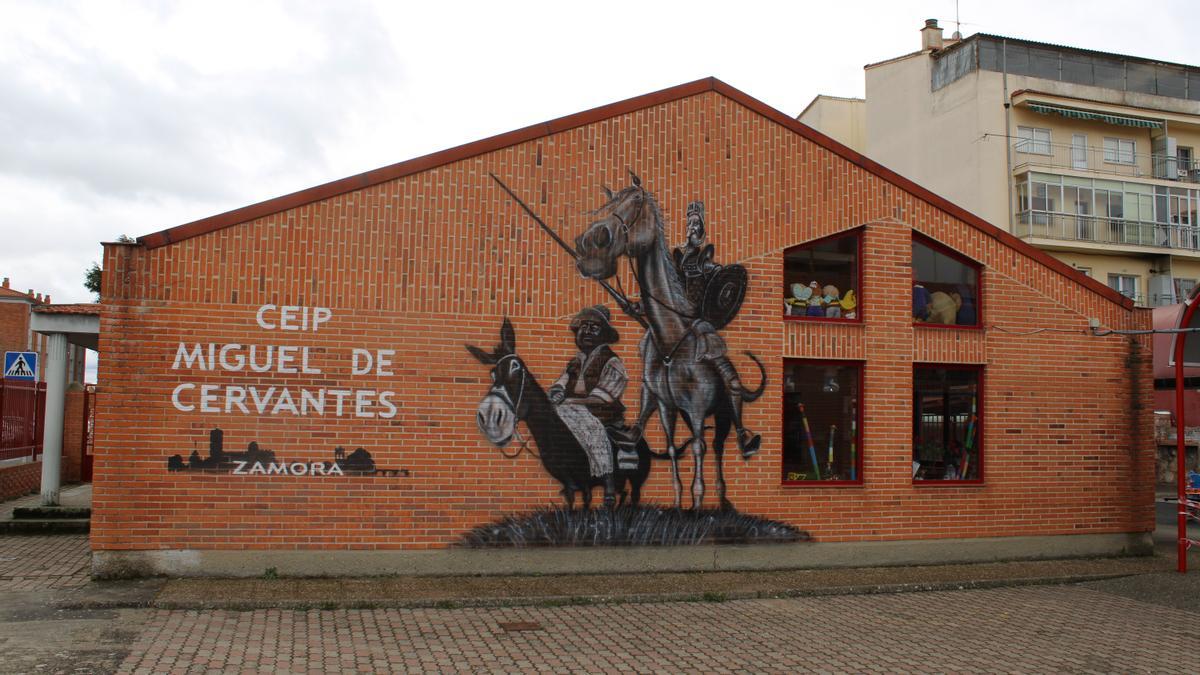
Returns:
point(92, 277)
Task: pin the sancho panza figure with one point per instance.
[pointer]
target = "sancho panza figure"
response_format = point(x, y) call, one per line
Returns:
point(596, 377)
point(594, 382)
point(694, 261)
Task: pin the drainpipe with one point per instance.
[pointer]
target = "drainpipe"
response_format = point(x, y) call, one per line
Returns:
point(1008, 164)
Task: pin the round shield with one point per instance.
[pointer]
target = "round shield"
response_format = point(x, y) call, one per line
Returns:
point(724, 294)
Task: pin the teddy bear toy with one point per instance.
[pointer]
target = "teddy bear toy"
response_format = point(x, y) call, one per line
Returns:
point(833, 305)
point(816, 301)
point(943, 307)
point(797, 305)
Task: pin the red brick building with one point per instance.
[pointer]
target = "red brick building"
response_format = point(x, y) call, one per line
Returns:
point(17, 336)
point(292, 378)
point(22, 408)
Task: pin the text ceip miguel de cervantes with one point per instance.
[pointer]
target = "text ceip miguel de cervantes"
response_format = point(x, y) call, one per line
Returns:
point(283, 359)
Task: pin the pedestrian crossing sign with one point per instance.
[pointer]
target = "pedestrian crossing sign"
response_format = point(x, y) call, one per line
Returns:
point(20, 366)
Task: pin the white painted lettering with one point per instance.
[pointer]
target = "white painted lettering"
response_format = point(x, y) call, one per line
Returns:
point(276, 468)
point(208, 398)
point(340, 395)
point(235, 396)
point(257, 468)
point(266, 364)
point(239, 360)
point(317, 401)
point(284, 355)
point(304, 367)
point(182, 356)
point(260, 317)
point(389, 408)
point(334, 470)
point(239, 470)
point(383, 358)
point(261, 403)
point(356, 353)
point(318, 469)
point(362, 399)
point(175, 397)
point(320, 316)
point(285, 402)
point(287, 317)
point(298, 468)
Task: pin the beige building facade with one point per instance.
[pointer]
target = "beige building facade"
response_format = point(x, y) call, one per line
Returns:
point(1087, 155)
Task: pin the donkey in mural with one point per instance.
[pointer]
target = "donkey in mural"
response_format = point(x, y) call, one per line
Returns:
point(685, 370)
point(515, 396)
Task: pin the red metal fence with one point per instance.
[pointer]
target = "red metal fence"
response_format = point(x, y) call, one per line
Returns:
point(22, 413)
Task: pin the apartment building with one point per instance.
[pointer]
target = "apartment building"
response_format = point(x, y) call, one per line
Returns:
point(1088, 155)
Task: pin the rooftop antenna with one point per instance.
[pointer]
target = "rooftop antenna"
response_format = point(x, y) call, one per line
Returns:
point(957, 24)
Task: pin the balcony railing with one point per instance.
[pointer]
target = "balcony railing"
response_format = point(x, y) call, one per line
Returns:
point(1100, 230)
point(1027, 152)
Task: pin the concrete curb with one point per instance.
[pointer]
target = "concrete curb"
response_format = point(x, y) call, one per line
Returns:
point(561, 600)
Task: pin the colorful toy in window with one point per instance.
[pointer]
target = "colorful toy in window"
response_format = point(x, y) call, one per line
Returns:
point(808, 437)
point(833, 306)
point(797, 305)
point(849, 305)
point(943, 308)
point(816, 301)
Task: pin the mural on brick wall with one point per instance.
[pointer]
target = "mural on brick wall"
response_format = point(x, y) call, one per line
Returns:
point(197, 362)
point(578, 423)
point(256, 460)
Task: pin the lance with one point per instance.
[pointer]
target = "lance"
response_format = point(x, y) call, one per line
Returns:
point(621, 299)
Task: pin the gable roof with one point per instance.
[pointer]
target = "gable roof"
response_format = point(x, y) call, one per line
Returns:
point(544, 129)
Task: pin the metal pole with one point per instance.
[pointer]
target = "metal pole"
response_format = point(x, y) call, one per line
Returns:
point(1180, 427)
point(56, 399)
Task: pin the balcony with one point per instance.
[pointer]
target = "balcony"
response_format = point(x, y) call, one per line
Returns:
point(1116, 232)
point(1113, 161)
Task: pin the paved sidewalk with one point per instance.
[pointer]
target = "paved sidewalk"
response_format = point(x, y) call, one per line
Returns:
point(32, 563)
point(1034, 629)
point(78, 495)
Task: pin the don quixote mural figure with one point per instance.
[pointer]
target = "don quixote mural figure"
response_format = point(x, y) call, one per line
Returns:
point(685, 298)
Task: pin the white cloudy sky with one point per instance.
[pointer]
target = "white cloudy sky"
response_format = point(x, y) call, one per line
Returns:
point(123, 117)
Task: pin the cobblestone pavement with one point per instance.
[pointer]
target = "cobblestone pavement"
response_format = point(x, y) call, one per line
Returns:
point(35, 563)
point(1032, 629)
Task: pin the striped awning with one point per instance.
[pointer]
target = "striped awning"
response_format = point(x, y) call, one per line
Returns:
point(1072, 113)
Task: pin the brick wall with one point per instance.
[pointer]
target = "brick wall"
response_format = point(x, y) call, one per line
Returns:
point(72, 436)
point(426, 263)
point(20, 480)
point(14, 326)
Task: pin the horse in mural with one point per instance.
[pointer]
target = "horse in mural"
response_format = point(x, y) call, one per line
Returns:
point(515, 396)
point(680, 351)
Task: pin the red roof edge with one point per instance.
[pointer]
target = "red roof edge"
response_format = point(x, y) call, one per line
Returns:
point(433, 160)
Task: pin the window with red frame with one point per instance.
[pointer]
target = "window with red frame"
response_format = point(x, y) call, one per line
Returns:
point(945, 286)
point(946, 423)
point(821, 422)
point(821, 278)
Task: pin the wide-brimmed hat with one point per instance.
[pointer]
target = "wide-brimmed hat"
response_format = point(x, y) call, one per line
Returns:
point(600, 315)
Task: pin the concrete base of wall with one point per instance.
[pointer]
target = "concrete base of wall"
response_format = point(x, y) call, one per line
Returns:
point(461, 561)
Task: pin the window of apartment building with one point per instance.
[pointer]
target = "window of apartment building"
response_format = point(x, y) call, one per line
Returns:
point(822, 422)
point(1087, 271)
point(1033, 140)
point(947, 423)
point(1183, 288)
point(823, 279)
point(1119, 150)
point(945, 285)
point(1184, 158)
point(1125, 284)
